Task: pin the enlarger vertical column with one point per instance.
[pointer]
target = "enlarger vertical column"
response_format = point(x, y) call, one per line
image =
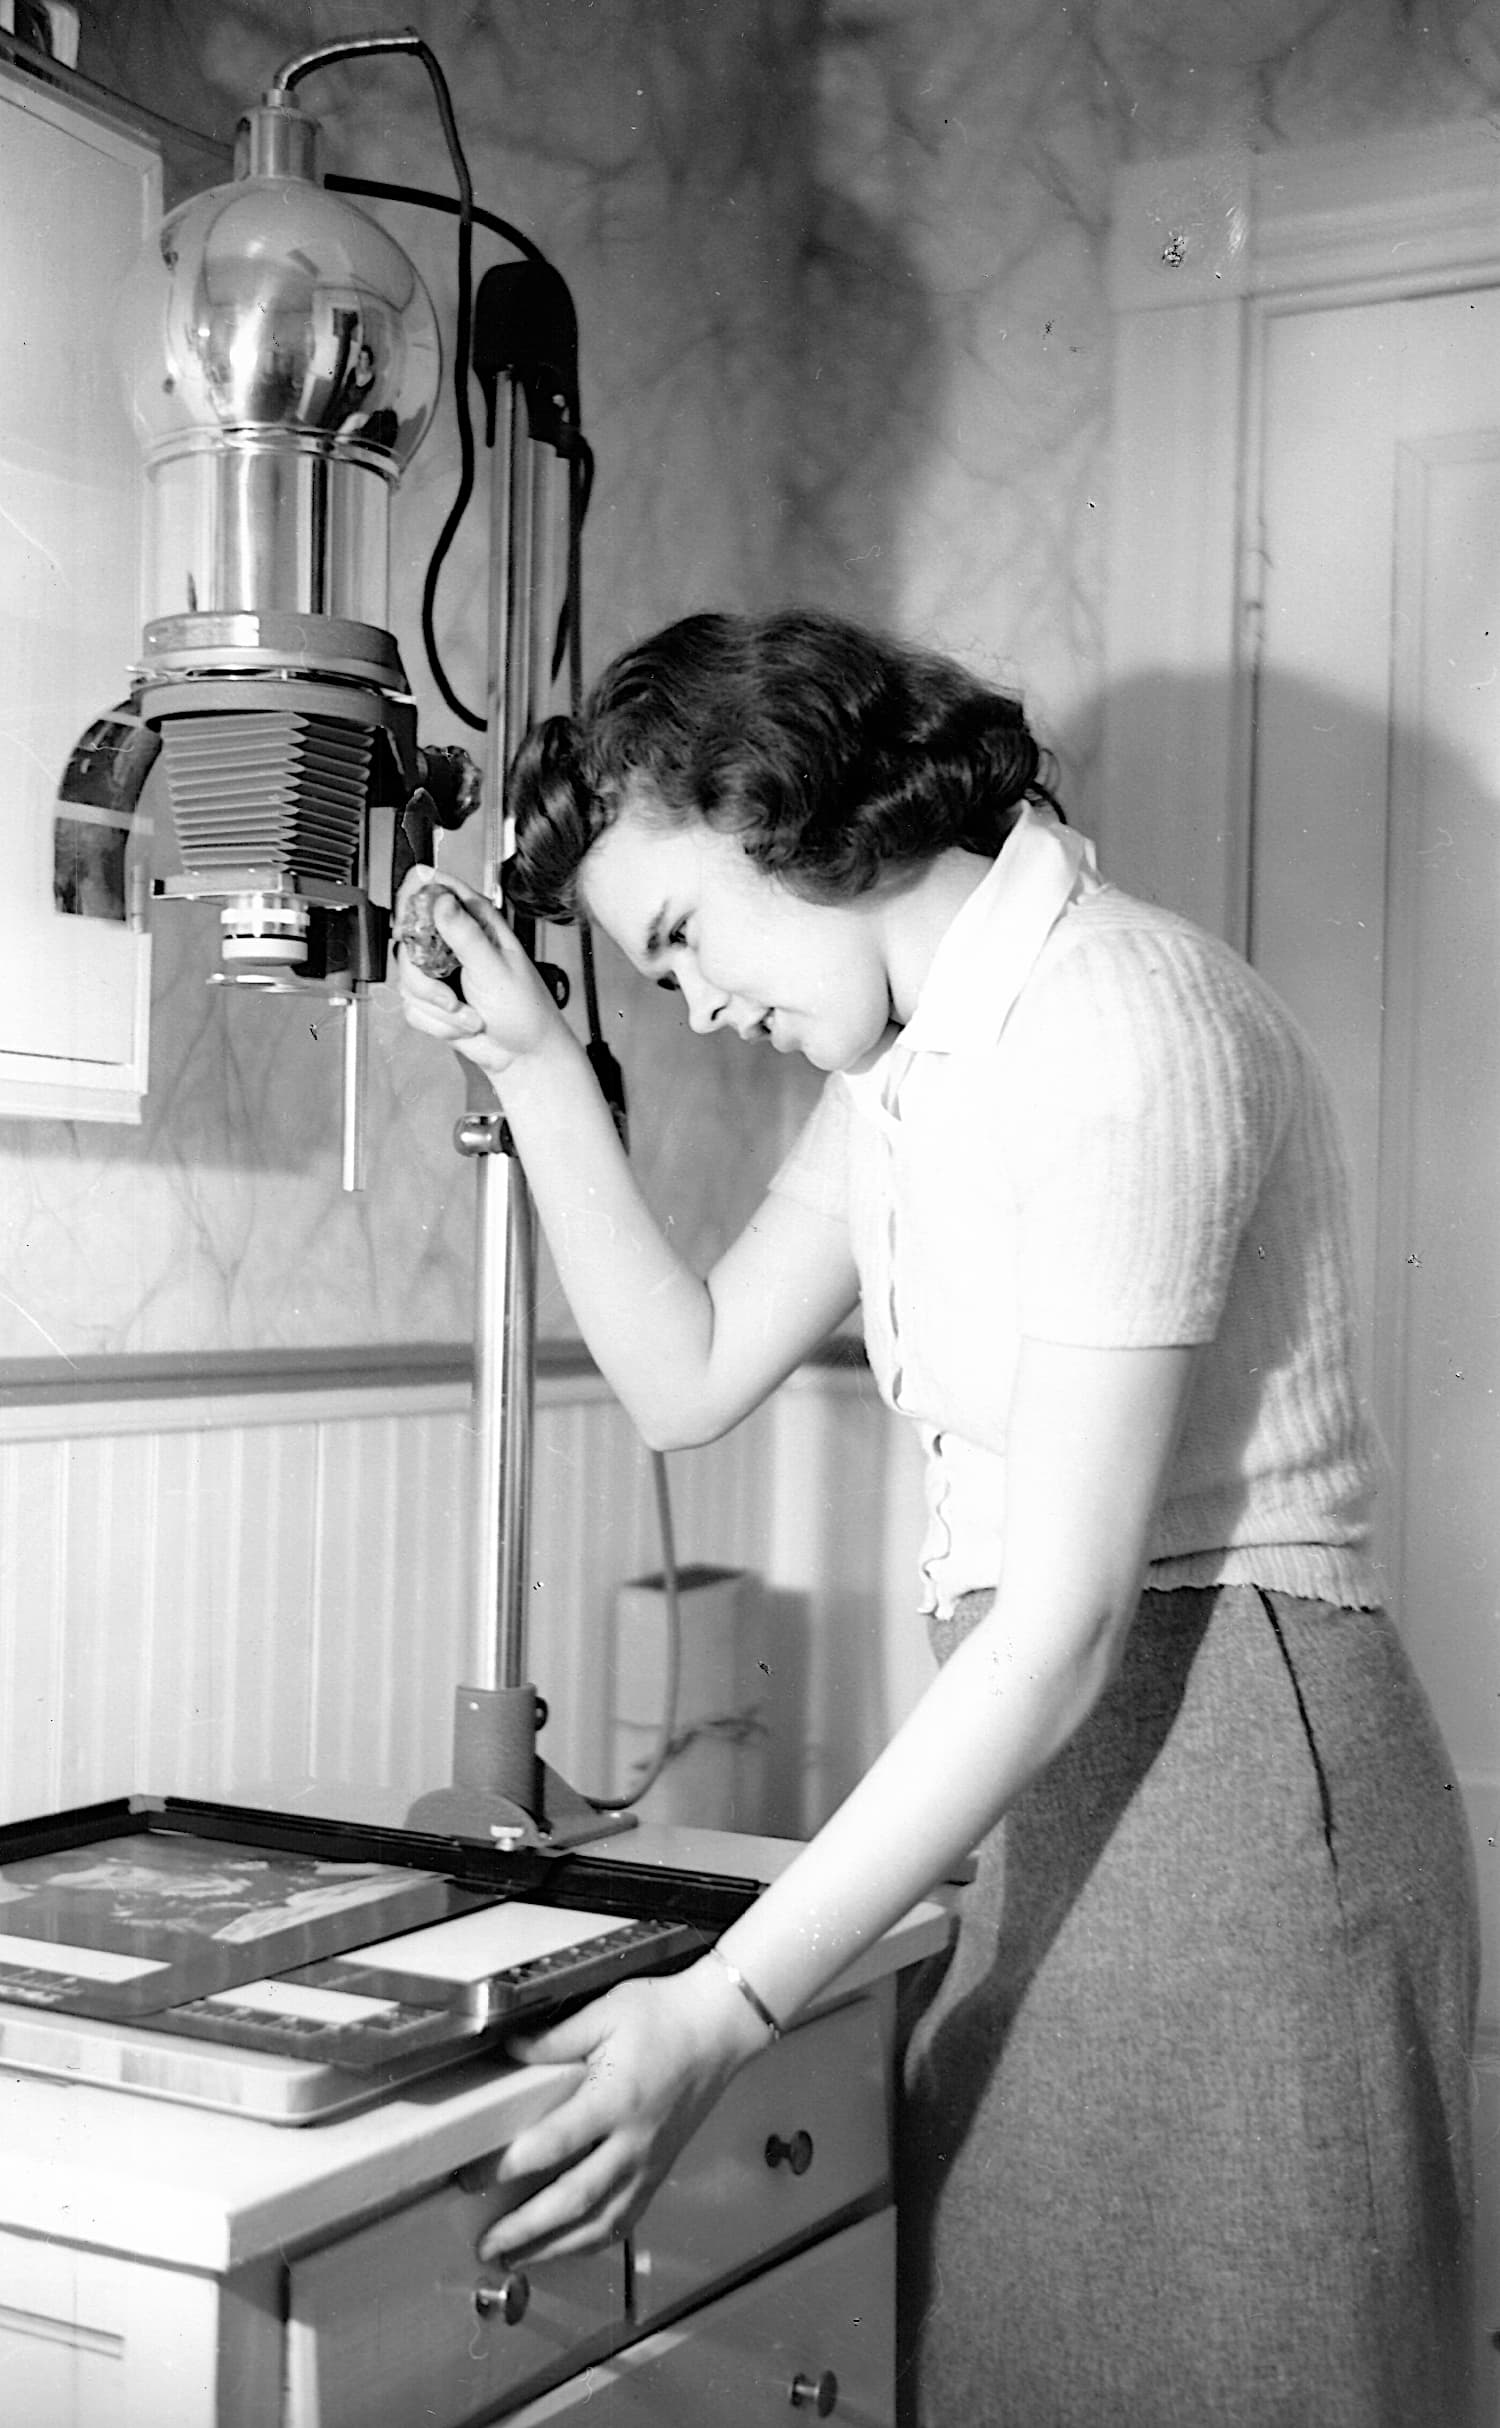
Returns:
point(525, 356)
point(505, 1310)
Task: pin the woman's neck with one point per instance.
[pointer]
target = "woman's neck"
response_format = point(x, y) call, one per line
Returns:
point(915, 921)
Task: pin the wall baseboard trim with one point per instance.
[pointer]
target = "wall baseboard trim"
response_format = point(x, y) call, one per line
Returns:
point(44, 1398)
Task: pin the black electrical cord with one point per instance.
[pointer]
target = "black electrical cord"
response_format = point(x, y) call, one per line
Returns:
point(580, 454)
point(606, 1070)
point(463, 205)
point(411, 45)
point(580, 484)
point(428, 201)
point(666, 1734)
point(568, 643)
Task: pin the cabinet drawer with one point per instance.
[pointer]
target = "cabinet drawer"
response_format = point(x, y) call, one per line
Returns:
point(400, 2322)
point(811, 2339)
point(797, 2137)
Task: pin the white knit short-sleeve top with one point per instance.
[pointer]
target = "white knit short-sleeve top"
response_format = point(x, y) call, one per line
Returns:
point(1101, 1127)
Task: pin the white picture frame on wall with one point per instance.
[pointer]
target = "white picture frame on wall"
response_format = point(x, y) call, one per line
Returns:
point(79, 194)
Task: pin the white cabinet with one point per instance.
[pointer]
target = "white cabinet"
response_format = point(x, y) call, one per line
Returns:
point(164, 2266)
point(397, 2321)
point(78, 196)
point(91, 2340)
point(813, 2338)
point(798, 2138)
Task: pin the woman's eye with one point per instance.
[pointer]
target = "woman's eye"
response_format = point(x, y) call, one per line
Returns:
point(674, 941)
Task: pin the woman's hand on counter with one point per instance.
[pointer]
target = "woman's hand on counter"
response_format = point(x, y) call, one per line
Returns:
point(655, 2057)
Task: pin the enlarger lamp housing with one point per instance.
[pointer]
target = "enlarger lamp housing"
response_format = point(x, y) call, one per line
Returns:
point(282, 363)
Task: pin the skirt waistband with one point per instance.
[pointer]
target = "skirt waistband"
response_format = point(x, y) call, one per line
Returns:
point(946, 1630)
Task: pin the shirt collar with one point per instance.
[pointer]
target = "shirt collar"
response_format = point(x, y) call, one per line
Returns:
point(990, 949)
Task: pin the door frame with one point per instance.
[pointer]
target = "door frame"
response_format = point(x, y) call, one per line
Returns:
point(1203, 251)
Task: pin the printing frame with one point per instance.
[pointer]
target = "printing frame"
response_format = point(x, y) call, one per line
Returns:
point(666, 1918)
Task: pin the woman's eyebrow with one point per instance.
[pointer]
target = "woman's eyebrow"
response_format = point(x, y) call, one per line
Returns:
point(654, 932)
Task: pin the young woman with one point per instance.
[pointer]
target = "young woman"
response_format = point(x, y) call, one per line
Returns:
point(1184, 2123)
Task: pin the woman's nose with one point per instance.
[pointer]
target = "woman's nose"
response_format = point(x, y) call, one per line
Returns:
point(706, 1005)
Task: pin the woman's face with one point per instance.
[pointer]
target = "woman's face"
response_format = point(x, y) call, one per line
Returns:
point(690, 909)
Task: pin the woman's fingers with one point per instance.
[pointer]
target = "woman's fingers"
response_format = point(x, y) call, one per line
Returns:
point(579, 2174)
point(598, 2175)
point(654, 2061)
point(576, 2211)
point(449, 1022)
point(558, 2139)
point(570, 2041)
point(443, 928)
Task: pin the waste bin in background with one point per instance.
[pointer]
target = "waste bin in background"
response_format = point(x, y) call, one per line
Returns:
point(715, 1773)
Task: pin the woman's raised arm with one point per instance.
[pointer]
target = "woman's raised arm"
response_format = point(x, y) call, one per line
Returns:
point(687, 1355)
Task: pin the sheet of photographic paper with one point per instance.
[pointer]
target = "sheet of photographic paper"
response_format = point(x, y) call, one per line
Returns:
point(294, 2017)
point(442, 1987)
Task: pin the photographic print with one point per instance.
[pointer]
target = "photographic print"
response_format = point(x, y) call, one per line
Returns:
point(134, 1924)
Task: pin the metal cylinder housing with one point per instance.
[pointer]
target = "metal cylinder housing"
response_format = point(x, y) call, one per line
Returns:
point(282, 362)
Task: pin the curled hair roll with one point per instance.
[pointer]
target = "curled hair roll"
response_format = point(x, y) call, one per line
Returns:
point(557, 818)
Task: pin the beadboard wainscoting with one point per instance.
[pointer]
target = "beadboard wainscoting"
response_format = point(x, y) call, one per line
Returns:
point(214, 1579)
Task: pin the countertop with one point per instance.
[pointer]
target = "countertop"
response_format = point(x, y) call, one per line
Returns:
point(189, 2187)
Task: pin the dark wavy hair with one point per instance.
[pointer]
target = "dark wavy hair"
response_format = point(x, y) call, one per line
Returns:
point(841, 760)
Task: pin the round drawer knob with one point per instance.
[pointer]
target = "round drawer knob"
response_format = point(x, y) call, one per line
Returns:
point(507, 2299)
point(796, 2153)
point(822, 2392)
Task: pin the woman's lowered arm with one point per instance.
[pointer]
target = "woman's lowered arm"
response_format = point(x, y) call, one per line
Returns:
point(1091, 1434)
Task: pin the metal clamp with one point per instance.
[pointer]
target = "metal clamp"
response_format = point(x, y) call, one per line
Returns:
point(483, 1134)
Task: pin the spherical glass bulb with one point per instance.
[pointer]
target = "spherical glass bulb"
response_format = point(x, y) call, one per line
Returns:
point(271, 305)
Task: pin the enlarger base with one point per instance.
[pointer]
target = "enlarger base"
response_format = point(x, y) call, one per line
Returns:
point(560, 1818)
point(503, 1794)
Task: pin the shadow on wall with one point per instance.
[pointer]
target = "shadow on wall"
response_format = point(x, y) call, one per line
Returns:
point(151, 52)
point(872, 364)
point(1363, 891)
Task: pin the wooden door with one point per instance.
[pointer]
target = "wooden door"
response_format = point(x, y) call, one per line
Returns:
point(1306, 507)
point(1375, 909)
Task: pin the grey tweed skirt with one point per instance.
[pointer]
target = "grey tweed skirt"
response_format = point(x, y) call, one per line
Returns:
point(1184, 2133)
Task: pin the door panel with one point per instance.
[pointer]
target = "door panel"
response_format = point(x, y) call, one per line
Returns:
point(1376, 914)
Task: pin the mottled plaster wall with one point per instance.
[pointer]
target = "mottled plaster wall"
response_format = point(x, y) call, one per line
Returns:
point(953, 286)
point(659, 156)
point(838, 270)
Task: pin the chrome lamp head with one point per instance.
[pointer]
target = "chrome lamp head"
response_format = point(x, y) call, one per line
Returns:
point(282, 364)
